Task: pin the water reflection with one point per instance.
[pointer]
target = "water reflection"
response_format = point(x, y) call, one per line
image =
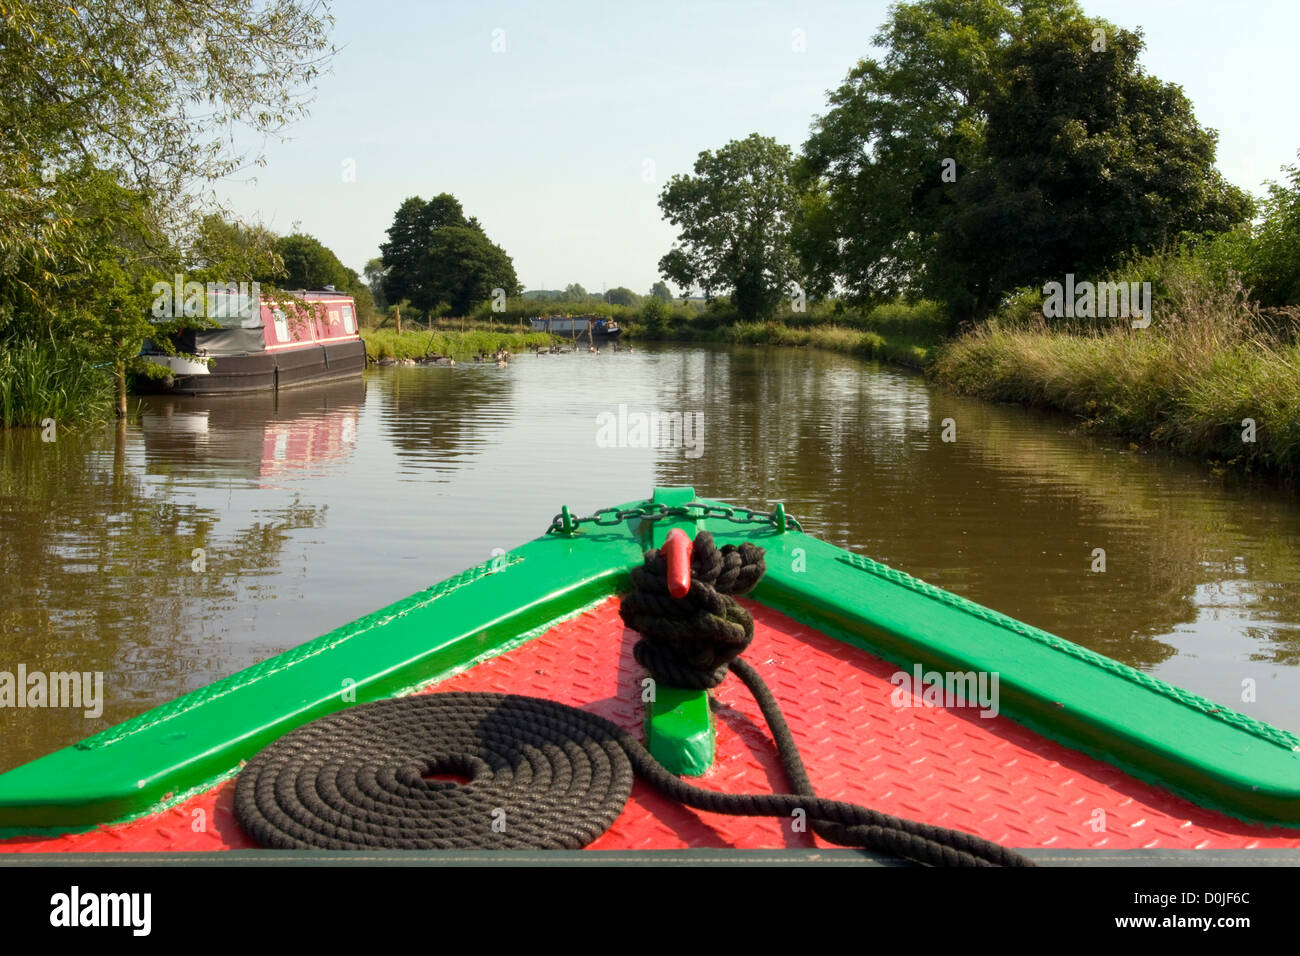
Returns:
point(1200, 580)
point(437, 417)
point(261, 436)
point(319, 505)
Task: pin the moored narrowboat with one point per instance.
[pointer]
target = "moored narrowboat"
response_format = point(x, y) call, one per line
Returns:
point(256, 343)
point(676, 674)
point(594, 327)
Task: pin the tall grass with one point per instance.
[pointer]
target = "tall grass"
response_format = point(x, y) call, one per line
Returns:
point(1194, 381)
point(41, 379)
point(386, 343)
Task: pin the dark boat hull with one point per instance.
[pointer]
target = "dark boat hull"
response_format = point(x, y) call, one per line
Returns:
point(261, 371)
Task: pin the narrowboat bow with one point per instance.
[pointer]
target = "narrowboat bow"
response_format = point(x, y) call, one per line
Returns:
point(951, 728)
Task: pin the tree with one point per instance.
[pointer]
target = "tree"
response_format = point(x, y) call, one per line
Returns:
point(117, 104)
point(879, 156)
point(374, 275)
point(1089, 161)
point(436, 258)
point(654, 317)
point(1274, 270)
point(573, 292)
point(661, 292)
point(137, 88)
point(310, 265)
point(464, 268)
point(735, 215)
point(220, 250)
point(621, 295)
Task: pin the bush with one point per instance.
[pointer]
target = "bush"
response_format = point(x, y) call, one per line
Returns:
point(1274, 269)
point(42, 379)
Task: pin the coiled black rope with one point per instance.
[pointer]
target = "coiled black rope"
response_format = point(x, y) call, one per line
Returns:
point(542, 775)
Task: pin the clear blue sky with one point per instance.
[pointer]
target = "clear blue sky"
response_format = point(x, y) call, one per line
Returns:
point(547, 142)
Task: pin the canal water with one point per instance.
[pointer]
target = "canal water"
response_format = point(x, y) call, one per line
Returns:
point(211, 533)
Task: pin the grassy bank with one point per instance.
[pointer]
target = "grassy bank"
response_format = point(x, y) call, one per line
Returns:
point(386, 343)
point(1208, 368)
point(898, 333)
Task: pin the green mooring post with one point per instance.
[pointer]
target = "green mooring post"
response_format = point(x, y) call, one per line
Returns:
point(679, 730)
point(678, 722)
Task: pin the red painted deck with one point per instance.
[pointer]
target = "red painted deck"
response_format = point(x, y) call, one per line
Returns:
point(948, 767)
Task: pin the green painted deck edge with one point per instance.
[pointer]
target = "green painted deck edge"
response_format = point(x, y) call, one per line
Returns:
point(1148, 728)
point(1152, 730)
point(141, 764)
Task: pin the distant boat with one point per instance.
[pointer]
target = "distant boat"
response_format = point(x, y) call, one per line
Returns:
point(262, 343)
point(576, 326)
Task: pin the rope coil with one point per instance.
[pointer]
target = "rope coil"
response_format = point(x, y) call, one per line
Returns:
point(543, 775)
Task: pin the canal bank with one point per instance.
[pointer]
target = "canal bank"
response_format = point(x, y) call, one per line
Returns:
point(1215, 379)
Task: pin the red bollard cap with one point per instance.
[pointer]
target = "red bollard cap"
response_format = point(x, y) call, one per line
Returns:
point(677, 552)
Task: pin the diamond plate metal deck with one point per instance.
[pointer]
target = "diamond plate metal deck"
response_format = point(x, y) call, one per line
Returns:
point(944, 766)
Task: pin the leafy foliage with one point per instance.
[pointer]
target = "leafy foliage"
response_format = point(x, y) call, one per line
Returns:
point(735, 216)
point(1089, 160)
point(621, 295)
point(879, 153)
point(438, 260)
point(121, 116)
point(309, 265)
point(1274, 266)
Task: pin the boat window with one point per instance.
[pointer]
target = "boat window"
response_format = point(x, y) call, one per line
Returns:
point(347, 320)
point(281, 326)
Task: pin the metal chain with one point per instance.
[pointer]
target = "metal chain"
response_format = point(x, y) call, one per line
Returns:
point(653, 511)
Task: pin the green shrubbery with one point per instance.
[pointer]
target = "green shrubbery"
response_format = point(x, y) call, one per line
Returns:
point(40, 379)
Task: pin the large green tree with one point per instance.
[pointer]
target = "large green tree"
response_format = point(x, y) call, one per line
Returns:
point(118, 119)
point(373, 273)
point(308, 264)
point(879, 164)
point(661, 292)
point(435, 257)
point(621, 295)
point(1089, 160)
point(734, 217)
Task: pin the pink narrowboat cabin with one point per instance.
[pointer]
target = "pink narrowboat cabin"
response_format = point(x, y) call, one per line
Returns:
point(307, 337)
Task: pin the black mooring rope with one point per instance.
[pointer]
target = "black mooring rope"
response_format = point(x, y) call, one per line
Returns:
point(543, 775)
point(690, 641)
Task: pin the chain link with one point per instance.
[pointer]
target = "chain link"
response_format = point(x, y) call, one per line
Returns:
point(653, 511)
